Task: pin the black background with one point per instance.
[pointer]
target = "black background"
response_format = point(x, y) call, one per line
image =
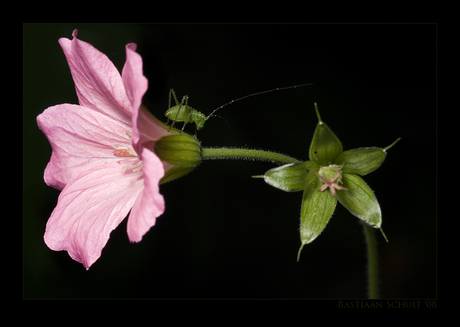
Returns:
point(224, 234)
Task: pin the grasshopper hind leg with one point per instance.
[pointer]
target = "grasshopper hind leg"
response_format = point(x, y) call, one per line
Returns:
point(187, 120)
point(183, 103)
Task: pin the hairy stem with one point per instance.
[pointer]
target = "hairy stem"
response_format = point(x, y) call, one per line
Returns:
point(246, 154)
point(372, 262)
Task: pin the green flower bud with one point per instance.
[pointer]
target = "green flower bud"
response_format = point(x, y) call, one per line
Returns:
point(181, 151)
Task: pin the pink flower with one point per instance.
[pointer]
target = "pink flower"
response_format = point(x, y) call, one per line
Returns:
point(102, 158)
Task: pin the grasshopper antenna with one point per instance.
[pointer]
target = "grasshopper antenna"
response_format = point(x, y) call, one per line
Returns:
point(258, 93)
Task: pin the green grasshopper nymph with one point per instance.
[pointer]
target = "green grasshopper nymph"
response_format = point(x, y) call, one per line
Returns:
point(182, 112)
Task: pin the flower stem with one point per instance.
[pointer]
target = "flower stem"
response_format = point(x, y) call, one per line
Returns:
point(372, 263)
point(246, 154)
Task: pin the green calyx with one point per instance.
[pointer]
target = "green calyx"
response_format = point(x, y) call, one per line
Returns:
point(331, 175)
point(181, 152)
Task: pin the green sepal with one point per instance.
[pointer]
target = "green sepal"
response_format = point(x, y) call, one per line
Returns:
point(179, 150)
point(175, 172)
point(317, 209)
point(325, 146)
point(361, 161)
point(291, 177)
point(360, 200)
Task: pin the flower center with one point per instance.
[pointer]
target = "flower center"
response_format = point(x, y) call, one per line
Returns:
point(124, 152)
point(331, 176)
point(130, 159)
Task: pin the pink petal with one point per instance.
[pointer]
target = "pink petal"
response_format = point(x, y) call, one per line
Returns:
point(151, 204)
point(81, 139)
point(89, 208)
point(145, 126)
point(135, 82)
point(97, 82)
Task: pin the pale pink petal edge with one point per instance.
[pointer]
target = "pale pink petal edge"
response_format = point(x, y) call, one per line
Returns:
point(151, 203)
point(89, 208)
